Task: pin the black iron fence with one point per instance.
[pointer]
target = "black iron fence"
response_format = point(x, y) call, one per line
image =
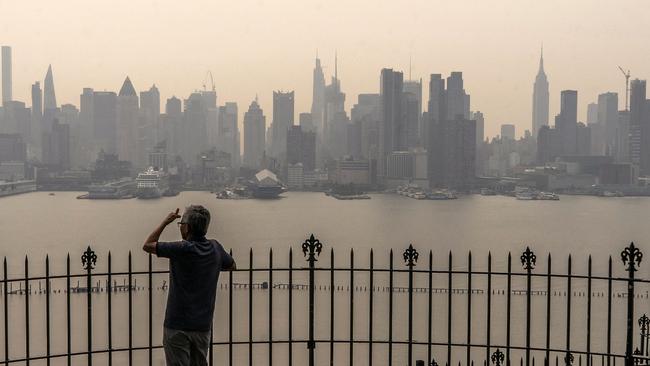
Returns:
point(410, 312)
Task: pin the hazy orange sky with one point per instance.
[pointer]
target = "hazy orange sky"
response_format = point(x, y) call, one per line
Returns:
point(254, 47)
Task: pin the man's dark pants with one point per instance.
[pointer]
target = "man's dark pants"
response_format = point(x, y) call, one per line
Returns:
point(184, 348)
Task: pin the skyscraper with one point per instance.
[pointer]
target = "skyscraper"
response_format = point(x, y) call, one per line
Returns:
point(540, 98)
point(392, 129)
point(508, 131)
point(127, 125)
point(149, 134)
point(567, 122)
point(413, 100)
point(283, 111)
point(104, 112)
point(318, 97)
point(37, 113)
point(608, 117)
point(254, 135)
point(457, 100)
point(639, 127)
point(6, 74)
point(172, 129)
point(194, 127)
point(228, 132)
point(49, 101)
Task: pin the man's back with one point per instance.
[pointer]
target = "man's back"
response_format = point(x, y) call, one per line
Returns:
point(194, 271)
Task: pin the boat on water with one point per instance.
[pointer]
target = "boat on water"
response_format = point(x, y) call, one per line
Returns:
point(119, 189)
point(612, 194)
point(16, 187)
point(548, 196)
point(526, 195)
point(441, 195)
point(151, 183)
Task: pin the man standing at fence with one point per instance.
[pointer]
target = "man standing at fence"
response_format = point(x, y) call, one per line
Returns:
point(194, 266)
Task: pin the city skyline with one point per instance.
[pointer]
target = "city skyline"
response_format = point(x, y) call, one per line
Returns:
point(500, 83)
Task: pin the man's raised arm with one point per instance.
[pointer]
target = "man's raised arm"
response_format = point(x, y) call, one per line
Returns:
point(151, 241)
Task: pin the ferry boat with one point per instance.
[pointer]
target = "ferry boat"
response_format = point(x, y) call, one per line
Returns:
point(441, 195)
point(16, 187)
point(488, 192)
point(548, 196)
point(526, 195)
point(123, 188)
point(152, 183)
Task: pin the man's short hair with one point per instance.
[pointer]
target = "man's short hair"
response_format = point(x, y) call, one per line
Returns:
point(197, 219)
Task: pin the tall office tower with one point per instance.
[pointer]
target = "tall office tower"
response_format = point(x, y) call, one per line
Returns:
point(335, 129)
point(128, 111)
point(608, 117)
point(89, 149)
point(301, 148)
point(592, 113)
point(540, 98)
point(392, 129)
point(597, 130)
point(508, 131)
point(481, 153)
point(149, 134)
point(69, 115)
point(254, 136)
point(228, 132)
point(639, 127)
point(211, 116)
point(37, 113)
point(16, 119)
point(56, 145)
point(454, 154)
point(283, 104)
point(195, 127)
point(318, 98)
point(306, 122)
point(367, 112)
point(457, 99)
point(567, 122)
point(172, 128)
point(49, 101)
point(104, 121)
point(6, 74)
point(12, 147)
point(413, 97)
point(436, 115)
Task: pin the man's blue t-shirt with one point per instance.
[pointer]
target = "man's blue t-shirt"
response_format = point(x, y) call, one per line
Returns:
point(194, 267)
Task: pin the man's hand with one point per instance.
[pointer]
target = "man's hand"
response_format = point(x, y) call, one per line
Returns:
point(152, 240)
point(171, 217)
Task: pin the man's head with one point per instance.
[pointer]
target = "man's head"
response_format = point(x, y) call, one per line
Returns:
point(195, 222)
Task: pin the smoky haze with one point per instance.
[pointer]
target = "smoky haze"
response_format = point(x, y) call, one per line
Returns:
point(255, 47)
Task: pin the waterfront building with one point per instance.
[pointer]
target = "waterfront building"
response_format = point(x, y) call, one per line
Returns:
point(12, 147)
point(301, 148)
point(56, 146)
point(349, 171)
point(295, 176)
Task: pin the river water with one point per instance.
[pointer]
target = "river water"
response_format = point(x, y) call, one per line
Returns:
point(39, 224)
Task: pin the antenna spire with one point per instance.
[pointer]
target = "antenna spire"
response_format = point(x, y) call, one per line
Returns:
point(336, 65)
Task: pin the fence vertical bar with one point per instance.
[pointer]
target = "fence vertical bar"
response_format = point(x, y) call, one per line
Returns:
point(6, 309)
point(589, 313)
point(528, 260)
point(230, 315)
point(130, 317)
point(68, 313)
point(508, 308)
point(430, 308)
point(449, 303)
point(371, 306)
point(331, 306)
point(290, 315)
point(390, 309)
point(313, 247)
point(88, 260)
point(150, 298)
point(411, 258)
point(609, 312)
point(109, 305)
point(548, 310)
point(488, 329)
point(250, 307)
point(271, 307)
point(47, 310)
point(469, 308)
point(27, 356)
point(568, 312)
point(631, 257)
point(351, 340)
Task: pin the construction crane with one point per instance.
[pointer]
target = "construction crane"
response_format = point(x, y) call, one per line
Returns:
point(208, 74)
point(627, 87)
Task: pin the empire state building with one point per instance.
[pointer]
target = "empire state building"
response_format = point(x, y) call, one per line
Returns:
point(540, 98)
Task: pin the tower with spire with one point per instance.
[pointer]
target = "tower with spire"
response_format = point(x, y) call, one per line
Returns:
point(318, 96)
point(540, 98)
point(49, 101)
